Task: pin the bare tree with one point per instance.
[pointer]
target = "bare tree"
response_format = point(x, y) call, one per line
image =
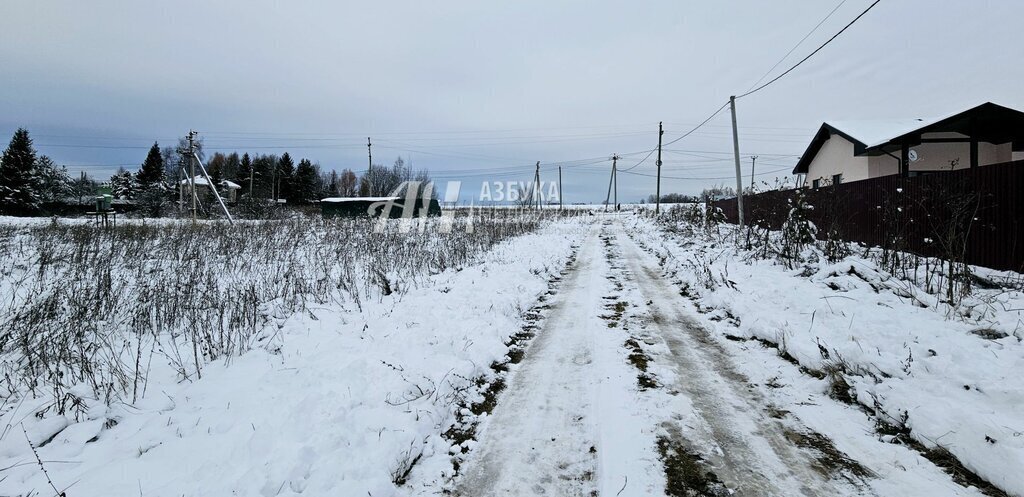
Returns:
point(381, 181)
point(347, 183)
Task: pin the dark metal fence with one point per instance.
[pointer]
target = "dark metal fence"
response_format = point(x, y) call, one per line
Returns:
point(973, 215)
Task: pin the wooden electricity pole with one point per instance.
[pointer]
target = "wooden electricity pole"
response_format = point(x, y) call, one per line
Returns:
point(192, 172)
point(657, 189)
point(369, 167)
point(736, 153)
point(559, 187)
point(753, 163)
point(608, 196)
point(615, 179)
point(536, 185)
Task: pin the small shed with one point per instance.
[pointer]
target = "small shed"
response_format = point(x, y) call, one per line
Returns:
point(372, 206)
point(228, 189)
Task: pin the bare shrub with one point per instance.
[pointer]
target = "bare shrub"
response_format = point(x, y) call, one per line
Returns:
point(90, 311)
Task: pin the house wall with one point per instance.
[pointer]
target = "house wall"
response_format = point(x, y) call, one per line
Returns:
point(883, 165)
point(943, 156)
point(836, 157)
point(931, 157)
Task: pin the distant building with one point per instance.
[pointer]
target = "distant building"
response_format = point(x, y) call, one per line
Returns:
point(844, 151)
point(228, 189)
point(374, 206)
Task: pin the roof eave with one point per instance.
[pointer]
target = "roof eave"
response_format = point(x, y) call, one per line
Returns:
point(824, 133)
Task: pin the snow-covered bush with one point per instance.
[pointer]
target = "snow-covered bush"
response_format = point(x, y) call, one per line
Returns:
point(798, 231)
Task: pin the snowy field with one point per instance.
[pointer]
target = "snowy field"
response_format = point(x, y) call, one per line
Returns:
point(587, 354)
point(260, 359)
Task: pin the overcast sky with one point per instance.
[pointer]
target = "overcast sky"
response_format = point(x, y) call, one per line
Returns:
point(481, 90)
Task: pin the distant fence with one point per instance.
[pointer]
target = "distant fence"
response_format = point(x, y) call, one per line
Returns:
point(919, 215)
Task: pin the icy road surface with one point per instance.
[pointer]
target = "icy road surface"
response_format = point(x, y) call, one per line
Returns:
point(575, 421)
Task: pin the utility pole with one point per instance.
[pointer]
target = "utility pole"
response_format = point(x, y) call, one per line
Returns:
point(370, 167)
point(181, 185)
point(615, 179)
point(611, 178)
point(736, 152)
point(193, 160)
point(559, 187)
point(536, 185)
point(657, 189)
point(753, 162)
point(251, 170)
point(192, 171)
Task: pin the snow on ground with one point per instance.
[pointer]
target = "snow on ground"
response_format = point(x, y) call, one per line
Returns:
point(348, 400)
point(624, 366)
point(905, 353)
point(573, 421)
point(351, 398)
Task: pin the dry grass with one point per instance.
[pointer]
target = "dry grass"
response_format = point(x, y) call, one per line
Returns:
point(92, 310)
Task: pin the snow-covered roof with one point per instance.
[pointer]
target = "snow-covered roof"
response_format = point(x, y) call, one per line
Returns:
point(984, 122)
point(201, 181)
point(876, 132)
point(359, 199)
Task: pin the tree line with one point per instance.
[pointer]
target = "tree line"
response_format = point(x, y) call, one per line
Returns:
point(29, 181)
point(714, 192)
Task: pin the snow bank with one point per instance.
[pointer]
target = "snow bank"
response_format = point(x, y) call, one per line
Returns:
point(343, 401)
point(907, 354)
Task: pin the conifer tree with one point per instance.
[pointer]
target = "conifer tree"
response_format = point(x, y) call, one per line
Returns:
point(122, 184)
point(53, 180)
point(285, 174)
point(151, 174)
point(244, 170)
point(18, 182)
point(304, 183)
point(150, 190)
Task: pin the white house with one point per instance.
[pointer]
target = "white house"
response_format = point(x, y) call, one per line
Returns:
point(844, 151)
point(227, 189)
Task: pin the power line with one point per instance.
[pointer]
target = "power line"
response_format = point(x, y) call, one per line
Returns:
point(531, 138)
point(114, 147)
point(695, 128)
point(787, 71)
point(802, 40)
point(706, 178)
point(688, 133)
point(427, 132)
point(692, 152)
point(741, 127)
point(634, 166)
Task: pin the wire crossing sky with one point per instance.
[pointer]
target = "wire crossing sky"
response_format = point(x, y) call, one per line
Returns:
point(480, 92)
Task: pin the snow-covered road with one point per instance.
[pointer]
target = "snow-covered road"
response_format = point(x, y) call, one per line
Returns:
point(730, 424)
point(576, 421)
point(539, 439)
